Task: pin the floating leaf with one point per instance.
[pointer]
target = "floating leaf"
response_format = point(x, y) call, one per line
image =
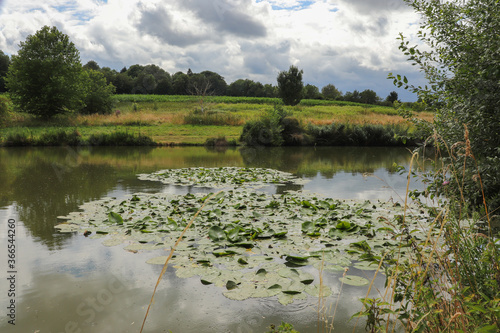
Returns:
point(366, 266)
point(112, 241)
point(230, 285)
point(308, 227)
point(234, 235)
point(216, 233)
point(354, 280)
point(115, 218)
point(343, 225)
point(157, 260)
point(316, 291)
point(223, 252)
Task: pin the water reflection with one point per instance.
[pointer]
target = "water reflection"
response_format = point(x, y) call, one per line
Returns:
point(59, 273)
point(91, 288)
point(327, 161)
point(47, 182)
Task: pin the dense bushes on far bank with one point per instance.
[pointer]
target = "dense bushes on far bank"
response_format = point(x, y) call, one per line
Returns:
point(73, 138)
point(278, 128)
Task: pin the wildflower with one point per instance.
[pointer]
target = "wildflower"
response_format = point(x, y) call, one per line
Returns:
point(117, 112)
point(446, 182)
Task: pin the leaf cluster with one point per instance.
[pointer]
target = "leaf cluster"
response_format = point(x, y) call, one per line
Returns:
point(462, 65)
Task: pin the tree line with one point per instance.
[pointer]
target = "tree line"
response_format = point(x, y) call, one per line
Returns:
point(146, 79)
point(152, 79)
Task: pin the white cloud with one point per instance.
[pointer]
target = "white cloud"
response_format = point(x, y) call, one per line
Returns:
point(350, 43)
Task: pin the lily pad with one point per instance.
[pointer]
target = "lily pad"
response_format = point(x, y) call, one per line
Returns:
point(253, 239)
point(222, 177)
point(354, 280)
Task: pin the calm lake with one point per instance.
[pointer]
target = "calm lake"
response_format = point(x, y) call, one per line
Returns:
point(70, 283)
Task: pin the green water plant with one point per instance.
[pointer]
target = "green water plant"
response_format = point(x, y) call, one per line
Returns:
point(248, 243)
point(222, 177)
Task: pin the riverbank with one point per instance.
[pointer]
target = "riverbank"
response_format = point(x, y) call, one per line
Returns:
point(188, 120)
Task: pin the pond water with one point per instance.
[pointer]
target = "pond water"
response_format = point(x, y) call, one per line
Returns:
point(70, 283)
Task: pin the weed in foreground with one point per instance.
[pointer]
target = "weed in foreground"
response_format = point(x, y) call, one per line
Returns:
point(449, 281)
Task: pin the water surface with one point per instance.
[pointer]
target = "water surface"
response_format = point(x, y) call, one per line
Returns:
point(69, 283)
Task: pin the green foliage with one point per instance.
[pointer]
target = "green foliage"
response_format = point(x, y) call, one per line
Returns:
point(220, 141)
point(212, 118)
point(119, 138)
point(249, 88)
point(59, 138)
point(262, 132)
point(463, 69)
point(4, 67)
point(368, 96)
point(4, 108)
point(98, 93)
point(190, 98)
point(330, 92)
point(44, 77)
point(290, 86)
point(392, 97)
point(268, 130)
point(311, 92)
point(50, 138)
point(361, 135)
point(374, 311)
point(283, 328)
point(62, 137)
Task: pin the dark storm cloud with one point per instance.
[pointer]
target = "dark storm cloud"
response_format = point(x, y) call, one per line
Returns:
point(373, 6)
point(377, 26)
point(227, 16)
point(265, 59)
point(157, 21)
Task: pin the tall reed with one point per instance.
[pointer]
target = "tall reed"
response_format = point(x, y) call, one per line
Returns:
point(450, 282)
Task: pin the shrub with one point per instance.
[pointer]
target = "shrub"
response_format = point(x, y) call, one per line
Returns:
point(44, 78)
point(275, 128)
point(283, 328)
point(59, 138)
point(220, 142)
point(4, 108)
point(262, 132)
point(120, 139)
point(97, 93)
point(290, 86)
point(293, 133)
point(212, 118)
point(18, 139)
point(361, 135)
point(459, 56)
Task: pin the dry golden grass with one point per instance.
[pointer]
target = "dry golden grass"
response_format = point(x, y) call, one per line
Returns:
point(365, 118)
point(132, 118)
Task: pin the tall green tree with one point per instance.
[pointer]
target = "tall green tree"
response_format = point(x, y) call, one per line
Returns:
point(290, 86)
point(44, 78)
point(98, 93)
point(368, 96)
point(4, 67)
point(311, 92)
point(392, 97)
point(330, 92)
point(461, 62)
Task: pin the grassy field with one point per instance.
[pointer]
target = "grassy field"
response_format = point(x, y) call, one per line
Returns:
point(180, 119)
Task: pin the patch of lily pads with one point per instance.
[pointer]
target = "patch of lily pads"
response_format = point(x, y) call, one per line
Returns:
point(252, 244)
point(222, 177)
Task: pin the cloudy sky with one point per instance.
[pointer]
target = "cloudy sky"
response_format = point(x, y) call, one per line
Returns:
point(349, 43)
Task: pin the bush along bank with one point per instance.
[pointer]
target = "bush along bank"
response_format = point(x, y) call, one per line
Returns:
point(73, 138)
point(278, 127)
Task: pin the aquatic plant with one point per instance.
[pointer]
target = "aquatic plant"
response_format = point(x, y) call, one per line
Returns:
point(222, 177)
point(249, 243)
